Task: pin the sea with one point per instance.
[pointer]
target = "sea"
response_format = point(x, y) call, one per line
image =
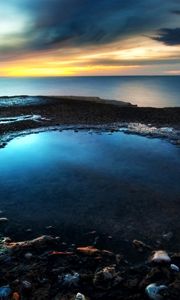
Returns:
point(146, 91)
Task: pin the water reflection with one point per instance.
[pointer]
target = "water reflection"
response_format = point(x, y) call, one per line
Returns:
point(79, 181)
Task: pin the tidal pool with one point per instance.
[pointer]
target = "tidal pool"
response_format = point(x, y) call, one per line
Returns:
point(124, 185)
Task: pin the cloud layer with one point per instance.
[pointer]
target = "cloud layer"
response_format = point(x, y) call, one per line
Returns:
point(169, 36)
point(32, 26)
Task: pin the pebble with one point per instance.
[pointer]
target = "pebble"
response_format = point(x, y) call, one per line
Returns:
point(3, 220)
point(15, 296)
point(7, 240)
point(168, 236)
point(5, 292)
point(29, 230)
point(26, 285)
point(153, 291)
point(28, 255)
point(80, 296)
point(160, 256)
point(70, 279)
point(174, 268)
point(49, 227)
point(106, 278)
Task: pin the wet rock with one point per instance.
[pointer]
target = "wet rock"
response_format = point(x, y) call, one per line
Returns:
point(88, 250)
point(26, 285)
point(3, 144)
point(15, 296)
point(50, 227)
point(26, 288)
point(107, 278)
point(155, 292)
point(29, 230)
point(140, 246)
point(70, 280)
point(167, 236)
point(5, 292)
point(3, 220)
point(28, 255)
point(155, 275)
point(7, 240)
point(174, 268)
point(39, 242)
point(80, 296)
point(160, 257)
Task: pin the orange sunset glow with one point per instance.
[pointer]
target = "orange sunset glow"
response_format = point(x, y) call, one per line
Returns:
point(33, 45)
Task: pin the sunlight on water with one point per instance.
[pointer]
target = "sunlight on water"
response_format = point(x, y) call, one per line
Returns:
point(154, 91)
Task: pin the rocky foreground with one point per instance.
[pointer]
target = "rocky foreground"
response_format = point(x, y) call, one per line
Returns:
point(26, 114)
point(21, 113)
point(45, 268)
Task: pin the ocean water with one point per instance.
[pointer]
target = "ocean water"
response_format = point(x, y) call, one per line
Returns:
point(80, 181)
point(155, 91)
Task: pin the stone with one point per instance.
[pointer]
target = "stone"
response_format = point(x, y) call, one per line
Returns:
point(5, 292)
point(167, 236)
point(174, 268)
point(153, 291)
point(106, 278)
point(80, 296)
point(3, 220)
point(28, 255)
point(160, 257)
point(140, 246)
point(70, 279)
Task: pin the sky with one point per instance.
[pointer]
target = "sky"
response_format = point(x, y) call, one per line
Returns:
point(89, 37)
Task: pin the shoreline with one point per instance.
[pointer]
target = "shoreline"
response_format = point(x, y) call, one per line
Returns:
point(98, 265)
point(29, 114)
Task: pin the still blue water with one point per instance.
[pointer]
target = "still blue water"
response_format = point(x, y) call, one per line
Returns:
point(90, 181)
point(156, 91)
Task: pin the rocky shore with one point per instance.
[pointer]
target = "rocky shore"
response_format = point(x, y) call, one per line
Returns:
point(91, 268)
point(47, 268)
point(49, 111)
point(26, 113)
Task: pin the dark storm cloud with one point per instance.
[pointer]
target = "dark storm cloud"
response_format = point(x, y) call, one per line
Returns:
point(176, 12)
point(91, 22)
point(131, 62)
point(168, 36)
